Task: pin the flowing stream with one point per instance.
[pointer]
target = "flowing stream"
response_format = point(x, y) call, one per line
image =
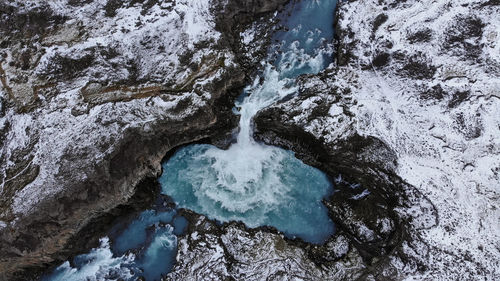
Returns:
point(257, 184)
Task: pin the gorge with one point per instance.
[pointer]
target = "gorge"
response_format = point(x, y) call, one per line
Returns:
point(249, 140)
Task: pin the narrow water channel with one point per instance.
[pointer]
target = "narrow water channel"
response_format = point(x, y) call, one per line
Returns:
point(249, 182)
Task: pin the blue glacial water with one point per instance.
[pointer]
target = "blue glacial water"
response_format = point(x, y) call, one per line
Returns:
point(250, 182)
point(274, 188)
point(145, 247)
point(305, 47)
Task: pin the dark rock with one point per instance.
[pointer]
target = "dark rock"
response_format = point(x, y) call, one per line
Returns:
point(436, 93)
point(420, 36)
point(379, 20)
point(381, 60)
point(457, 98)
point(111, 7)
point(68, 68)
point(417, 67)
point(236, 16)
point(491, 3)
point(463, 36)
point(344, 49)
point(464, 27)
point(78, 3)
point(344, 41)
point(27, 24)
point(470, 127)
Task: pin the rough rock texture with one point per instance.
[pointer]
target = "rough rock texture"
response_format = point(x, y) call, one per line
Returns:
point(410, 112)
point(92, 96)
point(233, 252)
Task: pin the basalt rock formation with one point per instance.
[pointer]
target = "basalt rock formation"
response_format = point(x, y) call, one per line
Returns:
point(405, 122)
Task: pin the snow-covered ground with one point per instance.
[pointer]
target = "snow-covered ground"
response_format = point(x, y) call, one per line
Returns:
point(448, 148)
point(130, 45)
point(423, 77)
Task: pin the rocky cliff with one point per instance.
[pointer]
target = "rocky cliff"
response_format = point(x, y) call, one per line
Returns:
point(405, 122)
point(93, 94)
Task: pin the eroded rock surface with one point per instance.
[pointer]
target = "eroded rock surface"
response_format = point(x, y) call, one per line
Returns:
point(93, 95)
point(233, 252)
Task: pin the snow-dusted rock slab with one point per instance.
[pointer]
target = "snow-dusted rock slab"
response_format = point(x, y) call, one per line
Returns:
point(233, 252)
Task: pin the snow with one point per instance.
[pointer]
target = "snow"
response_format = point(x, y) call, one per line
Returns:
point(335, 110)
point(361, 195)
point(248, 36)
point(437, 147)
point(134, 36)
point(449, 150)
point(456, 173)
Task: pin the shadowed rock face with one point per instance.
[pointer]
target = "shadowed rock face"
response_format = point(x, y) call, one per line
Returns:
point(97, 117)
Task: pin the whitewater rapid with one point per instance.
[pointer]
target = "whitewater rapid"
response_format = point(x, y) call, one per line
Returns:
point(253, 182)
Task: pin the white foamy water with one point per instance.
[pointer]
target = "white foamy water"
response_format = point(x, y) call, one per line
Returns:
point(252, 182)
point(98, 265)
point(152, 236)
